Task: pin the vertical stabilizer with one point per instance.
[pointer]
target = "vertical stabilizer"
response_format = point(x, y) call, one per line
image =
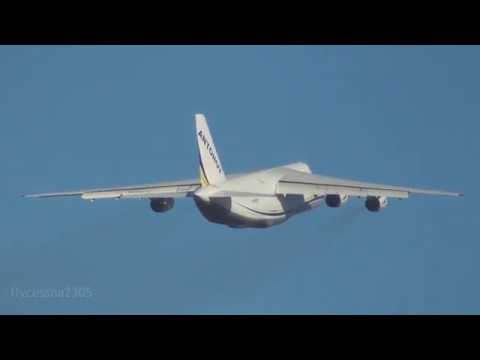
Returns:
point(211, 171)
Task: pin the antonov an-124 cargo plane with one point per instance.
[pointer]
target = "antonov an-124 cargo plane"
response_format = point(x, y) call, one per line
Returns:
point(257, 199)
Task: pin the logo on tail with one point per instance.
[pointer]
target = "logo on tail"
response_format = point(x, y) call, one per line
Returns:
point(211, 171)
point(210, 151)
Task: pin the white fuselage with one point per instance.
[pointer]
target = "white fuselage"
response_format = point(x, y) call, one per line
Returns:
point(254, 211)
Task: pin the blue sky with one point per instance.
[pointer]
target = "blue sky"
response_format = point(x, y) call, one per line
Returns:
point(93, 116)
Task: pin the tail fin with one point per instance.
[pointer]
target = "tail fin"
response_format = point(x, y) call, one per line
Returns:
point(211, 171)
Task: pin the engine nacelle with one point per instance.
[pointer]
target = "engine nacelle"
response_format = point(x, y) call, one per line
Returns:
point(375, 203)
point(335, 200)
point(162, 205)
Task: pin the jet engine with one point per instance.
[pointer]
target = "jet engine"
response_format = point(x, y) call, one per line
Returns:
point(375, 203)
point(161, 205)
point(335, 200)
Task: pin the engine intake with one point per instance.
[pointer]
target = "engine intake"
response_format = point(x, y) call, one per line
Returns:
point(335, 200)
point(162, 204)
point(375, 203)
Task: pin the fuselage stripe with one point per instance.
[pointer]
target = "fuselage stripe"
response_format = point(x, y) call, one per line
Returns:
point(280, 213)
point(261, 212)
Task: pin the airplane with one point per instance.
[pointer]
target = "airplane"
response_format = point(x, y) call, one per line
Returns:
point(258, 199)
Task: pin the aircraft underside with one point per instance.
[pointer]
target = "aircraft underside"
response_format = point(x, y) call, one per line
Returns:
point(234, 213)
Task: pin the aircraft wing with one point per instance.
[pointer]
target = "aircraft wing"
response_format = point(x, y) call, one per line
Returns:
point(297, 182)
point(172, 189)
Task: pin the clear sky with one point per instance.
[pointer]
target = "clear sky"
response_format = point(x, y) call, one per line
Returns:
point(95, 116)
